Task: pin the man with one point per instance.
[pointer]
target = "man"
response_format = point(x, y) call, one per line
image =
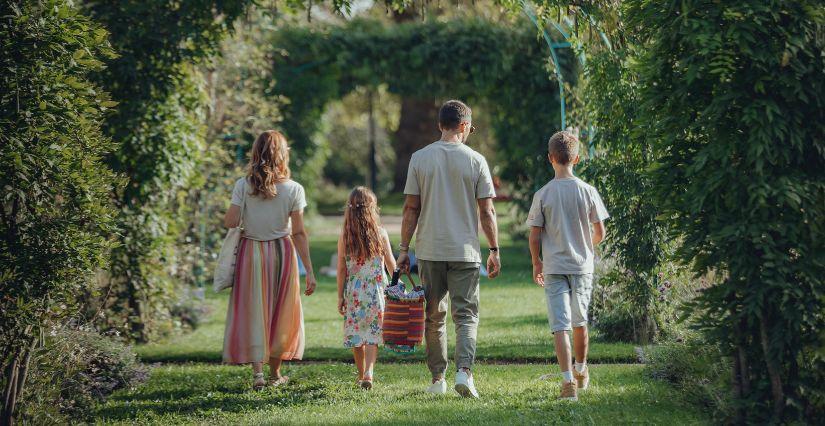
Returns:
point(448, 189)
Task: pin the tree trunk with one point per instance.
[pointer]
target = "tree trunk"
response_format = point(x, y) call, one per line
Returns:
point(10, 392)
point(773, 370)
point(134, 278)
point(373, 179)
point(741, 378)
point(418, 124)
point(417, 127)
point(16, 373)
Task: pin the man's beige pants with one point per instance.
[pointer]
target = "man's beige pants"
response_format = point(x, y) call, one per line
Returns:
point(460, 280)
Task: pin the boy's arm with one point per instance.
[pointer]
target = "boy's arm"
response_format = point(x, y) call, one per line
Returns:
point(598, 233)
point(535, 254)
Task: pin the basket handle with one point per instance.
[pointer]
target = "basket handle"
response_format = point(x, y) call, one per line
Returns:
point(396, 274)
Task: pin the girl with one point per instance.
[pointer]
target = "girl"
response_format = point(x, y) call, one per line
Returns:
point(265, 322)
point(364, 252)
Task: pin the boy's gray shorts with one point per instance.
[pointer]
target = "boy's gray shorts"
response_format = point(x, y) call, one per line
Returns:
point(568, 297)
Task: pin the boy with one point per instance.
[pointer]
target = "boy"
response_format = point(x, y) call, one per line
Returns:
point(560, 219)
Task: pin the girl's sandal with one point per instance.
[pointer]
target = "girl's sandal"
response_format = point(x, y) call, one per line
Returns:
point(258, 381)
point(278, 381)
point(366, 384)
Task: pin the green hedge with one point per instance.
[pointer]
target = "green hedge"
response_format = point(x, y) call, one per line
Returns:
point(502, 67)
point(55, 219)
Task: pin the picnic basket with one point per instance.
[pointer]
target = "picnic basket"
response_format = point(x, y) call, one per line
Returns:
point(403, 327)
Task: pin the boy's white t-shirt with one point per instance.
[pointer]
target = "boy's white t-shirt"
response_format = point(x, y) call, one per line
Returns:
point(565, 208)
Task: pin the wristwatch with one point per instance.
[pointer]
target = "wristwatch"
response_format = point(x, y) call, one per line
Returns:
point(494, 249)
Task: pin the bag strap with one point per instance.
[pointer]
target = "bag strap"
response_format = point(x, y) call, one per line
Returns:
point(243, 205)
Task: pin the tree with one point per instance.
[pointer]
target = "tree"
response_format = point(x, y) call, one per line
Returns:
point(55, 218)
point(732, 95)
point(416, 126)
point(160, 126)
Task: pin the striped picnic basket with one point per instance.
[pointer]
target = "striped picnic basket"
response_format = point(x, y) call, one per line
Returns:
point(403, 315)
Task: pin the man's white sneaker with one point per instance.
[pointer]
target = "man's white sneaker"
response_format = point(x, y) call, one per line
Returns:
point(438, 388)
point(464, 385)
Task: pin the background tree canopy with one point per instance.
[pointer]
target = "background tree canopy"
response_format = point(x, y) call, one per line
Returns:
point(500, 67)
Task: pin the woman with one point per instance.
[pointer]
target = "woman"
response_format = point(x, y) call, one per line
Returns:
point(265, 321)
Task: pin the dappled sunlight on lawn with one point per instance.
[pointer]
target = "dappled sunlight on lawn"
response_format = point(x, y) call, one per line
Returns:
point(325, 393)
point(513, 320)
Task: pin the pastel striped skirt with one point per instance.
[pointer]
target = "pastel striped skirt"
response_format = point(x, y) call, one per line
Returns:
point(264, 320)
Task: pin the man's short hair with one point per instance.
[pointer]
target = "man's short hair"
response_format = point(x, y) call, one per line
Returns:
point(563, 147)
point(452, 113)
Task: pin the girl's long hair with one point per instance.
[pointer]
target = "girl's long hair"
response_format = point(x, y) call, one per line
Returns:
point(269, 163)
point(362, 234)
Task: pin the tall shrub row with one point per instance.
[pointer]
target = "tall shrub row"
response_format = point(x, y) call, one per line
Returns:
point(160, 126)
point(55, 216)
point(732, 95)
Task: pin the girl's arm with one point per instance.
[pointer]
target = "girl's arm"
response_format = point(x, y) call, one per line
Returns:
point(301, 239)
point(389, 258)
point(341, 275)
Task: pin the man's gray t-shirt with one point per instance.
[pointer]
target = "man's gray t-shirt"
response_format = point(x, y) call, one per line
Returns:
point(565, 208)
point(449, 178)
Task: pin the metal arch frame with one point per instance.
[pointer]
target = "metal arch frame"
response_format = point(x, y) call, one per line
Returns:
point(528, 10)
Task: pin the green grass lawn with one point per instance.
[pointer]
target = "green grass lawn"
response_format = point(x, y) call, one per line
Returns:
point(325, 393)
point(513, 321)
point(514, 349)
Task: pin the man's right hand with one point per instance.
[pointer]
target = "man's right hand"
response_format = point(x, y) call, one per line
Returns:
point(493, 265)
point(403, 262)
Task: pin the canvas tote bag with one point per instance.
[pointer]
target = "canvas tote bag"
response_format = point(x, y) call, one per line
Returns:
point(225, 267)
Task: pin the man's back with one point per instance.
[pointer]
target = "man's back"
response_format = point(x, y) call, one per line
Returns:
point(450, 178)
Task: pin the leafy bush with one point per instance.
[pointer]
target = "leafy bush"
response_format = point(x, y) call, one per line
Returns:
point(698, 369)
point(732, 94)
point(190, 311)
point(55, 219)
point(160, 126)
point(75, 370)
point(624, 309)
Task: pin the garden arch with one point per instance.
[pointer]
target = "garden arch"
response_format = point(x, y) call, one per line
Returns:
point(504, 68)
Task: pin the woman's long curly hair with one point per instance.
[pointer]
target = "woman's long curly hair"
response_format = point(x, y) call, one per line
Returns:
point(269, 164)
point(363, 238)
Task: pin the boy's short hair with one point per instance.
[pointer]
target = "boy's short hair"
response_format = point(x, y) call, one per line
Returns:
point(563, 147)
point(452, 113)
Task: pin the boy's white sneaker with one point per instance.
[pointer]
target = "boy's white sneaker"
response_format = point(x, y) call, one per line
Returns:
point(438, 388)
point(464, 385)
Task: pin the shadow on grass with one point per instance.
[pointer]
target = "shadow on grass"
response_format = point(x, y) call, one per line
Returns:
point(510, 395)
point(187, 401)
point(502, 354)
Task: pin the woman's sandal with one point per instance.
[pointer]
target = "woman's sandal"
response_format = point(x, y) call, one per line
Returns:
point(366, 384)
point(278, 381)
point(258, 381)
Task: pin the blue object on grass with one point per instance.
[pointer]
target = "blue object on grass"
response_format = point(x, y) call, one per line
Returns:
point(301, 270)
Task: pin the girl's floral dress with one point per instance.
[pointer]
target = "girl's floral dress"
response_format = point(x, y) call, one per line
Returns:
point(364, 296)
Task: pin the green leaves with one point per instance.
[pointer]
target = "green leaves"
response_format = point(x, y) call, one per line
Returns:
point(740, 127)
point(502, 68)
point(55, 218)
